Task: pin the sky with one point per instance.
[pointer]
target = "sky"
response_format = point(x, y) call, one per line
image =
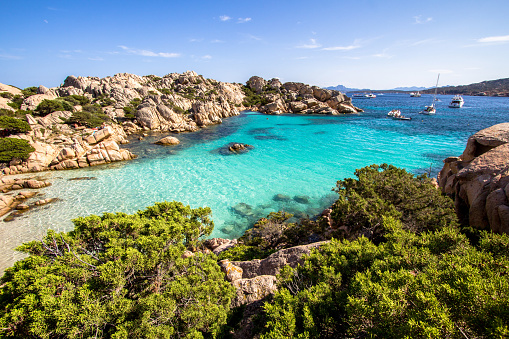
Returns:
point(357, 43)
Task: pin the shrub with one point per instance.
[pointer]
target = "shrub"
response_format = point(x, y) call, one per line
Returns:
point(118, 276)
point(13, 148)
point(6, 95)
point(29, 91)
point(17, 100)
point(49, 106)
point(76, 100)
point(386, 190)
point(164, 90)
point(429, 285)
point(11, 125)
point(91, 116)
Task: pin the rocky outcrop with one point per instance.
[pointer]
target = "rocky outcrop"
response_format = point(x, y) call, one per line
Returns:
point(273, 263)
point(478, 180)
point(167, 141)
point(299, 98)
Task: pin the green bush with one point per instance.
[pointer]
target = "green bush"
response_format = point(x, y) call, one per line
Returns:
point(386, 190)
point(252, 98)
point(429, 285)
point(91, 116)
point(76, 100)
point(11, 125)
point(118, 276)
point(49, 106)
point(13, 148)
point(17, 100)
point(29, 91)
point(6, 95)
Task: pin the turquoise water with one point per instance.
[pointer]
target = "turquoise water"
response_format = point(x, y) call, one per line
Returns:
point(293, 155)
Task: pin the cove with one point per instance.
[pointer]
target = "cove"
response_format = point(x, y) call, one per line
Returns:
point(299, 157)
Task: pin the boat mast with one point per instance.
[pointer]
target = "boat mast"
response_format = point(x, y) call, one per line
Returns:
point(436, 87)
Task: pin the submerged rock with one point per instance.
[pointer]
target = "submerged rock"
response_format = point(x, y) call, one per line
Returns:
point(281, 197)
point(233, 148)
point(301, 199)
point(243, 209)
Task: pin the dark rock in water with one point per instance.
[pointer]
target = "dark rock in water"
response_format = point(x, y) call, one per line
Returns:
point(270, 137)
point(227, 229)
point(233, 148)
point(239, 148)
point(281, 197)
point(301, 199)
point(243, 209)
point(83, 178)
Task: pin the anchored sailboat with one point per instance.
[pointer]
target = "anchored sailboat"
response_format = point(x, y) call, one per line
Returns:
point(428, 110)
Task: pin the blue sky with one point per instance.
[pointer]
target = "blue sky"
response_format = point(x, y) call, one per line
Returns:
point(358, 43)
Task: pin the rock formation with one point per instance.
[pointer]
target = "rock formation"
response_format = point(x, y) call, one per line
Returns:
point(478, 180)
point(299, 98)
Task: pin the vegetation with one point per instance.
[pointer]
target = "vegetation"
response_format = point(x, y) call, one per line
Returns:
point(385, 190)
point(498, 87)
point(104, 100)
point(16, 101)
point(432, 285)
point(49, 106)
point(13, 148)
point(118, 276)
point(18, 113)
point(91, 116)
point(130, 110)
point(252, 98)
point(10, 125)
point(29, 91)
point(76, 100)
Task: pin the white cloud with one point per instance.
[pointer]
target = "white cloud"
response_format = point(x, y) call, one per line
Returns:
point(148, 53)
point(420, 20)
point(207, 57)
point(217, 41)
point(224, 18)
point(243, 20)
point(501, 38)
point(45, 21)
point(96, 59)
point(341, 48)
point(195, 40)
point(10, 56)
point(312, 44)
point(383, 55)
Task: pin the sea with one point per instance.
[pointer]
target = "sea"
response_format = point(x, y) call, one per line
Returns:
point(294, 164)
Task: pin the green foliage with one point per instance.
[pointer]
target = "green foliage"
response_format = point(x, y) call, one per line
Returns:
point(29, 91)
point(164, 90)
point(386, 190)
point(12, 125)
point(76, 100)
point(130, 110)
point(244, 252)
point(153, 93)
point(118, 276)
point(429, 285)
point(49, 106)
point(13, 148)
point(17, 100)
point(252, 98)
point(91, 116)
point(6, 95)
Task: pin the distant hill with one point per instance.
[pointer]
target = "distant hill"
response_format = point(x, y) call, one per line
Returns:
point(344, 89)
point(409, 89)
point(494, 88)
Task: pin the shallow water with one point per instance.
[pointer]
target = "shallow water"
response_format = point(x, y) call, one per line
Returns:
point(293, 155)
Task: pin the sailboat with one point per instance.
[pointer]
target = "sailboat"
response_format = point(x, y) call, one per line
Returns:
point(428, 110)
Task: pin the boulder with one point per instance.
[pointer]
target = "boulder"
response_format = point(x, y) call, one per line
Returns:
point(478, 179)
point(256, 83)
point(254, 289)
point(276, 261)
point(232, 272)
point(166, 141)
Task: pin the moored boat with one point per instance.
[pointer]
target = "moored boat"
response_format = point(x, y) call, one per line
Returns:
point(429, 110)
point(415, 95)
point(456, 102)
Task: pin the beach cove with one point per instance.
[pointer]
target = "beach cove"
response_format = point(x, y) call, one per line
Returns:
point(293, 155)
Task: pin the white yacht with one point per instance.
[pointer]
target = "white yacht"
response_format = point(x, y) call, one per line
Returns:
point(457, 102)
point(415, 95)
point(429, 110)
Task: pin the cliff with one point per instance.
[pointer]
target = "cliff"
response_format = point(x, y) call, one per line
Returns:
point(478, 180)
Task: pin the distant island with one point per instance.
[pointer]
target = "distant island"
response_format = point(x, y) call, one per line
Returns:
point(493, 88)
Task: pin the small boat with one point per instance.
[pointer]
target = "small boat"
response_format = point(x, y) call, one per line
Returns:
point(396, 115)
point(364, 96)
point(415, 95)
point(457, 101)
point(429, 110)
